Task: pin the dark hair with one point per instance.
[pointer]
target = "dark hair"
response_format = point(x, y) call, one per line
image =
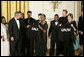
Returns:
point(71, 15)
point(65, 11)
point(18, 12)
point(29, 12)
point(56, 15)
point(2, 17)
point(22, 14)
point(39, 14)
point(44, 15)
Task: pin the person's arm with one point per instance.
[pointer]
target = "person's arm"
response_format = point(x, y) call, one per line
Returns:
point(79, 24)
point(50, 30)
point(60, 20)
point(32, 23)
point(46, 26)
point(40, 27)
point(2, 36)
point(25, 23)
point(74, 26)
point(10, 30)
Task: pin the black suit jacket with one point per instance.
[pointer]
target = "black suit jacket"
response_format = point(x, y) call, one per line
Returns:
point(63, 20)
point(29, 21)
point(80, 23)
point(13, 29)
point(53, 29)
point(22, 29)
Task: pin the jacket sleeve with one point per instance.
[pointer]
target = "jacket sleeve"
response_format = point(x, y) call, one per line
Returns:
point(10, 28)
point(74, 23)
point(79, 24)
point(1, 30)
point(50, 29)
point(46, 26)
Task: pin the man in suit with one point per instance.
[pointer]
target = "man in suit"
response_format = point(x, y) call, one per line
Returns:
point(23, 34)
point(15, 34)
point(62, 21)
point(28, 24)
point(37, 39)
point(53, 31)
point(80, 28)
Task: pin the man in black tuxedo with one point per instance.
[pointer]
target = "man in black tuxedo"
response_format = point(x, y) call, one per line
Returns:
point(80, 28)
point(63, 20)
point(15, 34)
point(37, 39)
point(53, 31)
point(28, 24)
point(23, 34)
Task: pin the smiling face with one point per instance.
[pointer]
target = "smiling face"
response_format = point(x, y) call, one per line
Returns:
point(64, 14)
point(40, 16)
point(55, 17)
point(3, 20)
point(43, 17)
point(29, 15)
point(18, 16)
point(69, 18)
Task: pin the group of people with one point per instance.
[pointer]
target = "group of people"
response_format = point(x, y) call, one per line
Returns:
point(22, 36)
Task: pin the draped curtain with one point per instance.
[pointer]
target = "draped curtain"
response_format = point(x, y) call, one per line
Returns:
point(8, 8)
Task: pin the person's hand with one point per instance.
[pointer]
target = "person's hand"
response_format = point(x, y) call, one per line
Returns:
point(28, 26)
point(72, 25)
point(49, 36)
point(81, 33)
point(2, 38)
point(43, 22)
point(60, 24)
point(12, 38)
point(44, 31)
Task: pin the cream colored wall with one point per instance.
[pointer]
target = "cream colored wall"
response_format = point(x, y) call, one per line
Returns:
point(46, 7)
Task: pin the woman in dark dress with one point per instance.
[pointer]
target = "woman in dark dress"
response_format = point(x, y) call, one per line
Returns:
point(74, 29)
point(43, 42)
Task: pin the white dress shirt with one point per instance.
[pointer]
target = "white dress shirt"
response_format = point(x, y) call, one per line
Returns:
point(18, 23)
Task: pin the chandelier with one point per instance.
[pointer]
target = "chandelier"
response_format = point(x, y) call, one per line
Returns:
point(55, 5)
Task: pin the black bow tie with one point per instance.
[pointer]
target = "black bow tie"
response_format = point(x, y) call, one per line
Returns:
point(17, 19)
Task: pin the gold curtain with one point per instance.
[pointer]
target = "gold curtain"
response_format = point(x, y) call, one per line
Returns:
point(79, 9)
point(8, 8)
